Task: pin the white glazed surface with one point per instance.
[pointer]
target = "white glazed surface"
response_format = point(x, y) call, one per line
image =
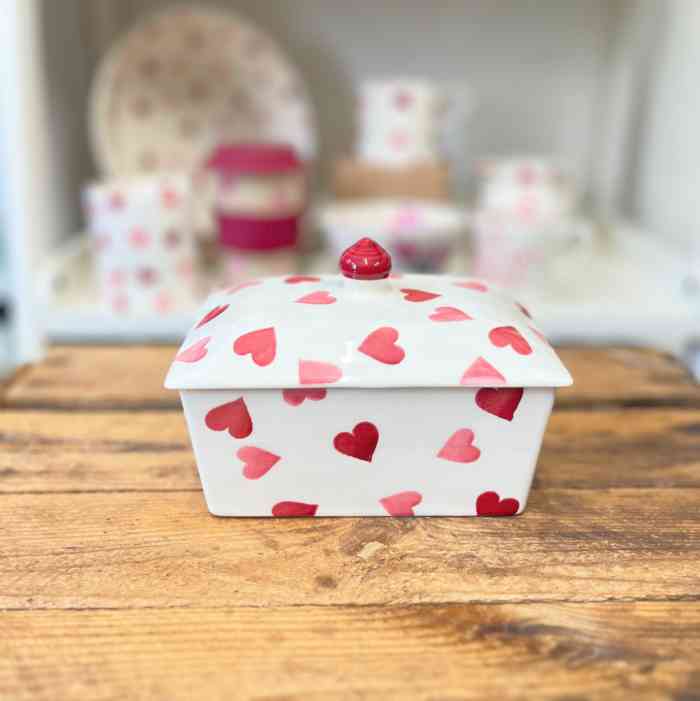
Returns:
point(436, 353)
point(413, 426)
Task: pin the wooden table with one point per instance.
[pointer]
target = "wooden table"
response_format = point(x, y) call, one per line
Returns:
point(115, 583)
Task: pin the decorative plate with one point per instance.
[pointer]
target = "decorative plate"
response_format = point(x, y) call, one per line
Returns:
point(187, 79)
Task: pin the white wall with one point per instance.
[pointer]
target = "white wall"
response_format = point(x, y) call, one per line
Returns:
point(668, 180)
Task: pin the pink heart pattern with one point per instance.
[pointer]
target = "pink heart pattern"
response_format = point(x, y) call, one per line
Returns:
point(449, 314)
point(401, 504)
point(296, 279)
point(195, 352)
point(315, 372)
point(212, 314)
point(460, 447)
point(260, 344)
point(411, 295)
point(256, 461)
point(319, 297)
point(504, 336)
point(295, 397)
point(232, 417)
point(381, 345)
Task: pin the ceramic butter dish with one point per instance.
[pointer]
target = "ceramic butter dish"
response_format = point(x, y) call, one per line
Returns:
point(366, 394)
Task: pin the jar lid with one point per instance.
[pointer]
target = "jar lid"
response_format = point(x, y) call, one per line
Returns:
point(365, 260)
point(257, 158)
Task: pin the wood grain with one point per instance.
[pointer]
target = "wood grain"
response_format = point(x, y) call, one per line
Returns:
point(639, 651)
point(44, 451)
point(138, 550)
point(132, 378)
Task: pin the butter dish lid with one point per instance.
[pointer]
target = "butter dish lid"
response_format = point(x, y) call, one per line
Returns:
point(364, 328)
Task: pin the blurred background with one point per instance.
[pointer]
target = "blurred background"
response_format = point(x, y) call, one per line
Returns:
point(152, 151)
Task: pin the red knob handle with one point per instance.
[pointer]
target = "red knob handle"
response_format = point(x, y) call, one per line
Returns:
point(365, 260)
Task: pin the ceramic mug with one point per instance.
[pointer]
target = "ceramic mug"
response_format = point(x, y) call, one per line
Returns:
point(143, 241)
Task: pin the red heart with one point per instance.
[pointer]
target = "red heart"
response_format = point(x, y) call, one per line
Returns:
point(401, 504)
point(477, 286)
point(490, 504)
point(381, 345)
point(411, 295)
point(459, 447)
point(481, 373)
point(510, 336)
point(233, 416)
point(195, 352)
point(360, 444)
point(294, 508)
point(295, 397)
point(261, 344)
point(500, 402)
point(320, 297)
point(296, 279)
point(449, 314)
point(242, 286)
point(212, 314)
point(314, 372)
point(257, 461)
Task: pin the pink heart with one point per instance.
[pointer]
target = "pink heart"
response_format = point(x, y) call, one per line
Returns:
point(459, 447)
point(212, 314)
point(296, 279)
point(418, 295)
point(381, 345)
point(314, 372)
point(170, 197)
point(233, 417)
point(509, 336)
point(295, 397)
point(138, 238)
point(285, 509)
point(261, 344)
point(242, 286)
point(258, 462)
point(481, 373)
point(477, 286)
point(320, 297)
point(449, 314)
point(490, 504)
point(501, 402)
point(401, 504)
point(195, 352)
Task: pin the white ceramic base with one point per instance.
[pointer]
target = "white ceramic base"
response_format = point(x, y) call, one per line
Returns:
point(413, 424)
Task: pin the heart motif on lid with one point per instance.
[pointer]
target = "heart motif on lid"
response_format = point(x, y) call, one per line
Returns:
point(296, 279)
point(490, 504)
point(195, 352)
point(319, 297)
point(481, 373)
point(501, 402)
point(285, 509)
point(242, 286)
point(503, 336)
point(401, 504)
point(473, 285)
point(295, 397)
point(360, 444)
point(232, 416)
point(449, 314)
point(314, 372)
point(411, 295)
point(212, 314)
point(381, 345)
point(258, 462)
point(460, 447)
point(260, 344)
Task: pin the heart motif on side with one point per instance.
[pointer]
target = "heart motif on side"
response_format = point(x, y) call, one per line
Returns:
point(460, 447)
point(314, 372)
point(510, 336)
point(242, 286)
point(476, 286)
point(401, 504)
point(490, 504)
point(381, 345)
point(258, 462)
point(481, 373)
point(212, 314)
point(285, 509)
point(296, 279)
point(411, 295)
point(449, 314)
point(501, 402)
point(360, 444)
point(195, 352)
point(320, 297)
point(232, 416)
point(295, 397)
point(261, 344)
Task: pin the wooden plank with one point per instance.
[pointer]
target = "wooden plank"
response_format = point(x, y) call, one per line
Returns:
point(164, 549)
point(114, 377)
point(610, 651)
point(43, 451)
